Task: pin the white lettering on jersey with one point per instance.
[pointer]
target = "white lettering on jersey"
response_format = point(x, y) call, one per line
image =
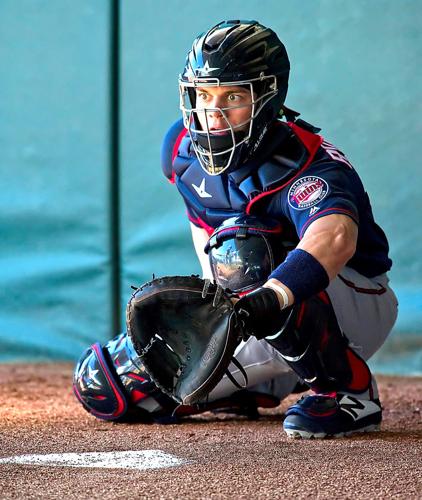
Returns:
point(335, 154)
point(201, 190)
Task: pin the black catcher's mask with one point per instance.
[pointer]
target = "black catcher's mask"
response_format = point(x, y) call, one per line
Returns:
point(234, 53)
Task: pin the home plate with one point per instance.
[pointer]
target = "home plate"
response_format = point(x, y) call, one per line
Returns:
point(140, 460)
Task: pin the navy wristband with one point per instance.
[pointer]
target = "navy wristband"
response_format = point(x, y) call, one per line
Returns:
point(302, 273)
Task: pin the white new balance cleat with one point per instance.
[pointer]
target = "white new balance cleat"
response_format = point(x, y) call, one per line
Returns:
point(332, 415)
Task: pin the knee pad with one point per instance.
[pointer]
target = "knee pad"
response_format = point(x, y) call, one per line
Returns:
point(314, 346)
point(111, 383)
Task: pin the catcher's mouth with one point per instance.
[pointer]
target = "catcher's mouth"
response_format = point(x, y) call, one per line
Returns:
point(219, 131)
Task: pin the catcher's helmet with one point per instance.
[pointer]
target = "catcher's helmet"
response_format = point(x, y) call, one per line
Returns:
point(244, 251)
point(234, 53)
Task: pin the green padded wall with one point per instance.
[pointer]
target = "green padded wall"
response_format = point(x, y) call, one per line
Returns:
point(355, 73)
point(54, 164)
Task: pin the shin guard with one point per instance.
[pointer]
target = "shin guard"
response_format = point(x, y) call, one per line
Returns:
point(313, 345)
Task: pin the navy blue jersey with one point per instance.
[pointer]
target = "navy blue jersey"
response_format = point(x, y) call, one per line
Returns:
point(298, 178)
point(331, 185)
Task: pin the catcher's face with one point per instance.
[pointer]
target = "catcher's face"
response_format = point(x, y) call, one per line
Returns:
point(218, 108)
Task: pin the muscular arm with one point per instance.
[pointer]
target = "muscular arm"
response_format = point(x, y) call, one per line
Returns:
point(200, 238)
point(332, 241)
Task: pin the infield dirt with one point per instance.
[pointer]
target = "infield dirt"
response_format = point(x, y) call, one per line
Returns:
point(226, 456)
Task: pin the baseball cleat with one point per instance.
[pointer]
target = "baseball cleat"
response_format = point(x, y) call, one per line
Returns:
point(332, 415)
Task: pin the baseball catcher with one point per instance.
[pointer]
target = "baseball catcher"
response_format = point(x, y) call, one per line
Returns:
point(295, 267)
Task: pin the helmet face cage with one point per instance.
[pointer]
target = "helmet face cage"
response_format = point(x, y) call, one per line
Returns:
point(214, 152)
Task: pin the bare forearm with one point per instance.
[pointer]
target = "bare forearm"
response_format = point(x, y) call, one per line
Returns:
point(329, 244)
point(333, 247)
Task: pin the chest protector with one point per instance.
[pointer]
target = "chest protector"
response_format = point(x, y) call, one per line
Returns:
point(286, 151)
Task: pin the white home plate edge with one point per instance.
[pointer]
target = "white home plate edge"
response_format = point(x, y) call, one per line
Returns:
point(140, 460)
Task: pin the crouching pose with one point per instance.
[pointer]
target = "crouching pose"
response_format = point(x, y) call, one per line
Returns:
point(327, 307)
point(279, 216)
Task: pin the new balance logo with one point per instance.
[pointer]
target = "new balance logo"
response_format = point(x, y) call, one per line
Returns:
point(313, 211)
point(201, 190)
point(358, 409)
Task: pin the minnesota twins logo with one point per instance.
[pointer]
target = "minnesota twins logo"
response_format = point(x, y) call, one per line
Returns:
point(307, 192)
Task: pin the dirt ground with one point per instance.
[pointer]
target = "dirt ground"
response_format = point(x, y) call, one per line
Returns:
point(225, 456)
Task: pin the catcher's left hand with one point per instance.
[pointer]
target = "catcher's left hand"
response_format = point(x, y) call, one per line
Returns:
point(185, 331)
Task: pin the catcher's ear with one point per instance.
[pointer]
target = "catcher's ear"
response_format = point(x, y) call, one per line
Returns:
point(97, 386)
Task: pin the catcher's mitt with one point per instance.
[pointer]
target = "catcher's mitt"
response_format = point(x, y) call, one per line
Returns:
point(185, 330)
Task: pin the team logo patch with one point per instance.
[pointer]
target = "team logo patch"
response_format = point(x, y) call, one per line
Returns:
point(307, 192)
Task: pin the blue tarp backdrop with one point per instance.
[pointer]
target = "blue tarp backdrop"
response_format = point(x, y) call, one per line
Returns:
point(83, 197)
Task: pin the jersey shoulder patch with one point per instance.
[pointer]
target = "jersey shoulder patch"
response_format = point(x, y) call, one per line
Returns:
point(170, 147)
point(306, 192)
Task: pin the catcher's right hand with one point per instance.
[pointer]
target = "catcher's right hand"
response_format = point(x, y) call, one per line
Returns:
point(260, 314)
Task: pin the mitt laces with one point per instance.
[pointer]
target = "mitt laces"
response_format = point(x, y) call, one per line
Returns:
point(242, 371)
point(232, 380)
point(218, 292)
point(217, 297)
